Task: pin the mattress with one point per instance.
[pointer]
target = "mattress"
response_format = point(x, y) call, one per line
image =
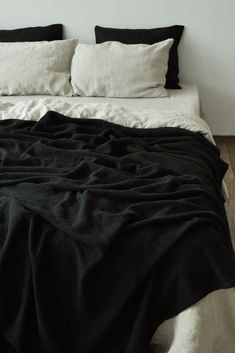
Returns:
point(185, 100)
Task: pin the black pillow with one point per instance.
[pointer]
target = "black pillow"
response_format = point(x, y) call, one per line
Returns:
point(148, 36)
point(32, 34)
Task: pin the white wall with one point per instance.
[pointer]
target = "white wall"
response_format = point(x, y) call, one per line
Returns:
point(207, 51)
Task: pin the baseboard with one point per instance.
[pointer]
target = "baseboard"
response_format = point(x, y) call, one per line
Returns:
point(224, 138)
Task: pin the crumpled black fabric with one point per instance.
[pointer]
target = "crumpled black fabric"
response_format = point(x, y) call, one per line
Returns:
point(105, 232)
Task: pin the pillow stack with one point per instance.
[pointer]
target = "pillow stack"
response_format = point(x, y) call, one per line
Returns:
point(148, 36)
point(35, 60)
point(123, 63)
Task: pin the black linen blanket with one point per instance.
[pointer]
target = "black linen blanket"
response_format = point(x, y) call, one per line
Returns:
point(105, 232)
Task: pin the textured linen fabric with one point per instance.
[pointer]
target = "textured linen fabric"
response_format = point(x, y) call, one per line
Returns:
point(32, 34)
point(36, 67)
point(114, 69)
point(148, 36)
point(106, 231)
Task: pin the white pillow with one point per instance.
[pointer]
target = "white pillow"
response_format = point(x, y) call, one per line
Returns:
point(36, 67)
point(114, 69)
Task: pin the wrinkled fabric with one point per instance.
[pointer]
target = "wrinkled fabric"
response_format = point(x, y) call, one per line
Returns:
point(106, 232)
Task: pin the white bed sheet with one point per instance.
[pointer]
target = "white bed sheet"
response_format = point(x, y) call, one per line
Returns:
point(185, 100)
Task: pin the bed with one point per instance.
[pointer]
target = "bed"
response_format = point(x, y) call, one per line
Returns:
point(193, 329)
point(114, 236)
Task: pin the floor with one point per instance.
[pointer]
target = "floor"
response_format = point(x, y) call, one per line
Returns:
point(227, 148)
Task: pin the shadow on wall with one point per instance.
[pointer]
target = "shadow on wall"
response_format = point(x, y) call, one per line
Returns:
point(204, 65)
point(218, 106)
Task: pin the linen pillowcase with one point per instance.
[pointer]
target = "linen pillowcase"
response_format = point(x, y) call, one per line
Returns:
point(36, 67)
point(148, 36)
point(32, 34)
point(114, 69)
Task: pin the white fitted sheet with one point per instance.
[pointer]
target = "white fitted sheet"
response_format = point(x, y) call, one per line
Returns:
point(185, 100)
